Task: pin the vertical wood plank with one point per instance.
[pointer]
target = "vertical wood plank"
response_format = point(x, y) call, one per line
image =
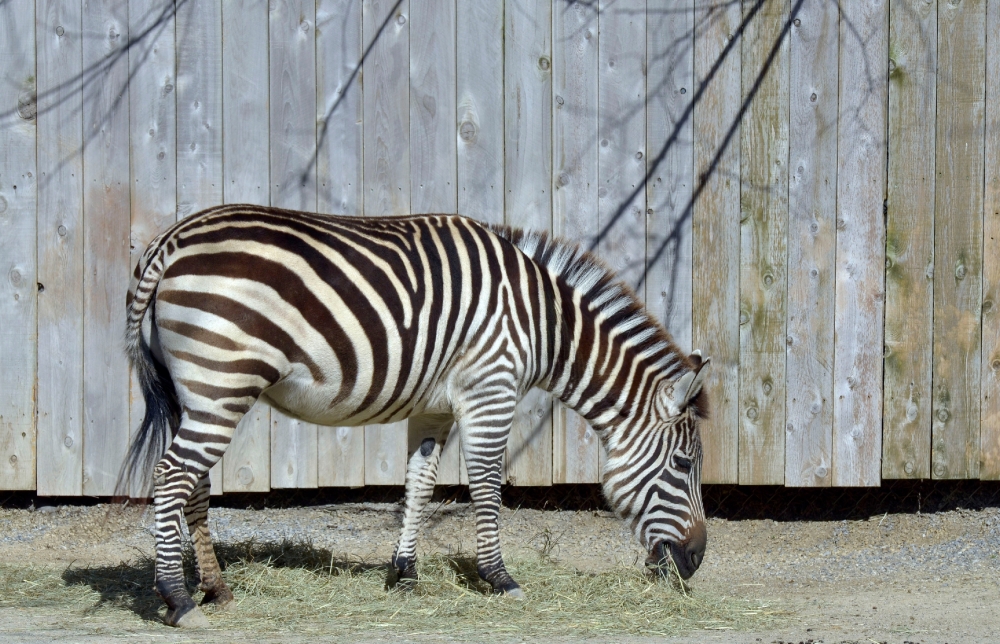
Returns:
point(528, 203)
point(990, 400)
point(18, 268)
point(622, 133)
point(480, 110)
point(812, 212)
point(958, 240)
point(199, 119)
point(574, 196)
point(340, 159)
point(107, 219)
point(60, 248)
point(909, 262)
point(763, 248)
point(861, 176)
point(246, 466)
point(669, 85)
point(293, 144)
point(433, 144)
point(387, 178)
point(716, 233)
point(152, 141)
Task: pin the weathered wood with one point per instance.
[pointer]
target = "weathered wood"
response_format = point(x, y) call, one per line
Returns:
point(293, 185)
point(621, 162)
point(574, 196)
point(339, 178)
point(909, 262)
point(433, 152)
point(340, 157)
point(480, 110)
point(669, 164)
point(958, 240)
point(716, 231)
point(763, 248)
point(387, 178)
point(528, 203)
point(812, 212)
point(107, 217)
point(293, 452)
point(152, 142)
point(60, 249)
point(199, 106)
point(199, 117)
point(990, 399)
point(246, 467)
point(18, 268)
point(857, 377)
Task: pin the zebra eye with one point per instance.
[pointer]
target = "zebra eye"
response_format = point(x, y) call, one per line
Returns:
point(682, 463)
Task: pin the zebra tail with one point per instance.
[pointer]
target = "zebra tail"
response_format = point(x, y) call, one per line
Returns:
point(153, 436)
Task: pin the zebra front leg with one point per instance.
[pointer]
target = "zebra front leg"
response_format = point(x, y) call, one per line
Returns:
point(209, 573)
point(484, 458)
point(426, 438)
point(174, 485)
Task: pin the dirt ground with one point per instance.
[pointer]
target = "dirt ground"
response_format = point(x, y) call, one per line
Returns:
point(921, 578)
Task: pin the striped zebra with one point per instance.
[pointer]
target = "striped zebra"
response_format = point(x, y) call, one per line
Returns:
point(439, 319)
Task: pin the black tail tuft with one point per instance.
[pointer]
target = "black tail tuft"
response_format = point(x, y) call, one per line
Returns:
point(158, 426)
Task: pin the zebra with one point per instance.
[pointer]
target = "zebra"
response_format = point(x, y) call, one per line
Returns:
point(437, 318)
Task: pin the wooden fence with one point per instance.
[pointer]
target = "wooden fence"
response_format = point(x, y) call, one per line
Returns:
point(809, 193)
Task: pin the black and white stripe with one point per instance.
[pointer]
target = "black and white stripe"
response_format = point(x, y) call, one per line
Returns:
point(440, 319)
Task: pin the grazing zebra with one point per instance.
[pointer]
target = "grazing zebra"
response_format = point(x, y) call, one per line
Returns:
point(440, 319)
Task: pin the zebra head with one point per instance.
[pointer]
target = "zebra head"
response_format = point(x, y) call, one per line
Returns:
point(654, 479)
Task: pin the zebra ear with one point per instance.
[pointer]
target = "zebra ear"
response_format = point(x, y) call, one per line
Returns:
point(678, 394)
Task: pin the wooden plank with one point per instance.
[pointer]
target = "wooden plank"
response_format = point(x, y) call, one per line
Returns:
point(716, 233)
point(990, 402)
point(621, 165)
point(199, 106)
point(293, 452)
point(60, 249)
point(340, 183)
point(909, 262)
point(341, 456)
point(433, 144)
point(246, 466)
point(18, 197)
point(812, 210)
point(763, 248)
point(340, 157)
point(574, 196)
point(528, 203)
point(199, 118)
point(669, 84)
point(480, 110)
point(107, 219)
point(387, 178)
point(958, 240)
point(293, 185)
point(152, 142)
point(857, 376)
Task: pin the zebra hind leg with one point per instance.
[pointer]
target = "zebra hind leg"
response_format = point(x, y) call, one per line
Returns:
point(174, 485)
point(209, 573)
point(426, 440)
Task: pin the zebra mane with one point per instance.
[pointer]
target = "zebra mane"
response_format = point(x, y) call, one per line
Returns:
point(607, 293)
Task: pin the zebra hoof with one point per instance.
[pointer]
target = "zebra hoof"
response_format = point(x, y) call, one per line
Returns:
point(514, 593)
point(219, 598)
point(193, 618)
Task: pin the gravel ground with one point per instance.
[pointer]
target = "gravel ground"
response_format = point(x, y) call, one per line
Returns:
point(891, 578)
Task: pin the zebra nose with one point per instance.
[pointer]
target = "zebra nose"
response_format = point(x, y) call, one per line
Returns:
point(695, 548)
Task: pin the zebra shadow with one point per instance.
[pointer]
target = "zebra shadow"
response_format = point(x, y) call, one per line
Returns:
point(129, 585)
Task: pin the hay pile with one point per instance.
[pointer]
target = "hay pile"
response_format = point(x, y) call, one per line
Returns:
point(296, 587)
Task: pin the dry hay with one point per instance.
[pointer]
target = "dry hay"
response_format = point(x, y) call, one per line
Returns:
point(296, 587)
